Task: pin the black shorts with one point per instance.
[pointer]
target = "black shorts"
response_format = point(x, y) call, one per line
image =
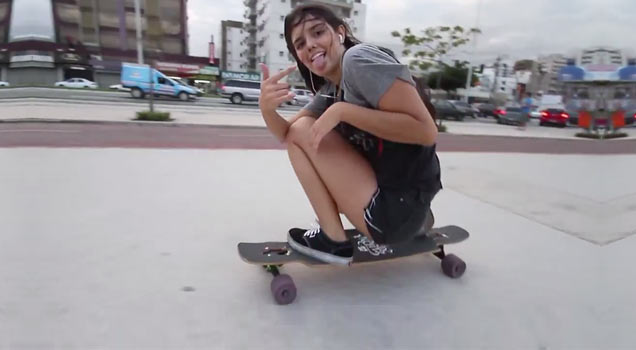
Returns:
point(395, 216)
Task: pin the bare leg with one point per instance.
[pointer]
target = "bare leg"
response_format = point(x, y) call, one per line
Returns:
point(336, 178)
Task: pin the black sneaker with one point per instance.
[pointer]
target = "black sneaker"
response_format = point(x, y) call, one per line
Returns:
point(317, 244)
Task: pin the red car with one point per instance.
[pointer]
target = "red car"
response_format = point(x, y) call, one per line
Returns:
point(554, 116)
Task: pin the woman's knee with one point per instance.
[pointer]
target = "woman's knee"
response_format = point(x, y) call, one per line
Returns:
point(299, 130)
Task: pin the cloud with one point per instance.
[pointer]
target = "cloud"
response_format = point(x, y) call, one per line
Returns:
point(518, 28)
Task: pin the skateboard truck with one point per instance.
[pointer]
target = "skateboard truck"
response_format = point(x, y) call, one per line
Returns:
point(278, 250)
point(441, 254)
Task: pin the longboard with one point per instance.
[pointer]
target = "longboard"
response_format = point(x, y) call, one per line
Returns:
point(273, 255)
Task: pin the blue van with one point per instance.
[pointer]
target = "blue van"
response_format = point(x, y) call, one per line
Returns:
point(136, 77)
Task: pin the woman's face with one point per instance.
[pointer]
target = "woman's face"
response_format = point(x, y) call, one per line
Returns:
point(317, 45)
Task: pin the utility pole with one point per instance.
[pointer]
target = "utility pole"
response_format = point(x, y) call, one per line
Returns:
point(140, 48)
point(140, 55)
point(497, 64)
point(469, 77)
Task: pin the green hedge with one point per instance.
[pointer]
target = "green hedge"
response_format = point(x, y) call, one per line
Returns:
point(154, 116)
point(599, 136)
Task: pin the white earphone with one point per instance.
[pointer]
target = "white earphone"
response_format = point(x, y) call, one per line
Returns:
point(341, 38)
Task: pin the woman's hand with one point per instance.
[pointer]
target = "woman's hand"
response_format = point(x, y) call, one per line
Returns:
point(273, 93)
point(323, 125)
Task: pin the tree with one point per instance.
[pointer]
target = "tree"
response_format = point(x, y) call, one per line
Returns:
point(435, 43)
point(523, 65)
point(451, 77)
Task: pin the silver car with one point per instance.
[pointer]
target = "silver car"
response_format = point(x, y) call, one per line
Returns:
point(302, 97)
point(513, 115)
point(241, 90)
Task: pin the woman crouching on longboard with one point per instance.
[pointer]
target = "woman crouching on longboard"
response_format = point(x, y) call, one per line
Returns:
point(364, 147)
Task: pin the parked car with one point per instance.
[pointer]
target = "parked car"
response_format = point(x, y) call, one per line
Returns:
point(445, 110)
point(535, 113)
point(136, 78)
point(630, 115)
point(119, 87)
point(241, 90)
point(486, 110)
point(464, 107)
point(77, 83)
point(513, 115)
point(554, 116)
point(302, 97)
point(4, 84)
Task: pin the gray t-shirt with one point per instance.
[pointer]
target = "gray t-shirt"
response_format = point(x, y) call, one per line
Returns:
point(367, 74)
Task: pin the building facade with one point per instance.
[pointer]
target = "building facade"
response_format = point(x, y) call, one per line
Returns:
point(601, 56)
point(264, 40)
point(233, 35)
point(545, 75)
point(91, 38)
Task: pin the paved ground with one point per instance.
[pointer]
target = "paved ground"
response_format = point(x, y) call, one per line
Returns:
point(136, 248)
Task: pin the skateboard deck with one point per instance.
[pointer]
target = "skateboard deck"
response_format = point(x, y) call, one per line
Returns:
point(365, 250)
point(273, 255)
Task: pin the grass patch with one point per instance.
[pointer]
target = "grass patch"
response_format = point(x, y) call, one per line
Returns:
point(154, 116)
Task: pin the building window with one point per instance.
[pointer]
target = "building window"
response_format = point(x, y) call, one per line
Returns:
point(282, 18)
point(281, 53)
point(355, 13)
point(282, 36)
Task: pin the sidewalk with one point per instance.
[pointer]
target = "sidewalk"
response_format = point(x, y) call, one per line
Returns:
point(134, 248)
point(184, 114)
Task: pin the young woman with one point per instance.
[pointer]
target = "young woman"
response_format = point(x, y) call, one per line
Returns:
point(364, 147)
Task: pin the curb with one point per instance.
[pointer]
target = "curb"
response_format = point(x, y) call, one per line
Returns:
point(171, 124)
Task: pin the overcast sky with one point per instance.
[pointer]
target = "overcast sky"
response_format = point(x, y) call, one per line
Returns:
point(517, 28)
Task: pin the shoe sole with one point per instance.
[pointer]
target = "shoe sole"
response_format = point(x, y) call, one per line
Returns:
point(324, 257)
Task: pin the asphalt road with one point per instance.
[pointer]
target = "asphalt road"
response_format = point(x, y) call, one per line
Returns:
point(114, 96)
point(96, 135)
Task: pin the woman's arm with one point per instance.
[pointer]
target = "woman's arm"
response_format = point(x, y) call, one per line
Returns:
point(401, 117)
point(279, 126)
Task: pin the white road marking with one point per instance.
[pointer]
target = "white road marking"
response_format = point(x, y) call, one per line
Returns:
point(39, 130)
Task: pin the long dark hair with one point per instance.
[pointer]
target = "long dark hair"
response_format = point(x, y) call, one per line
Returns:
point(319, 12)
